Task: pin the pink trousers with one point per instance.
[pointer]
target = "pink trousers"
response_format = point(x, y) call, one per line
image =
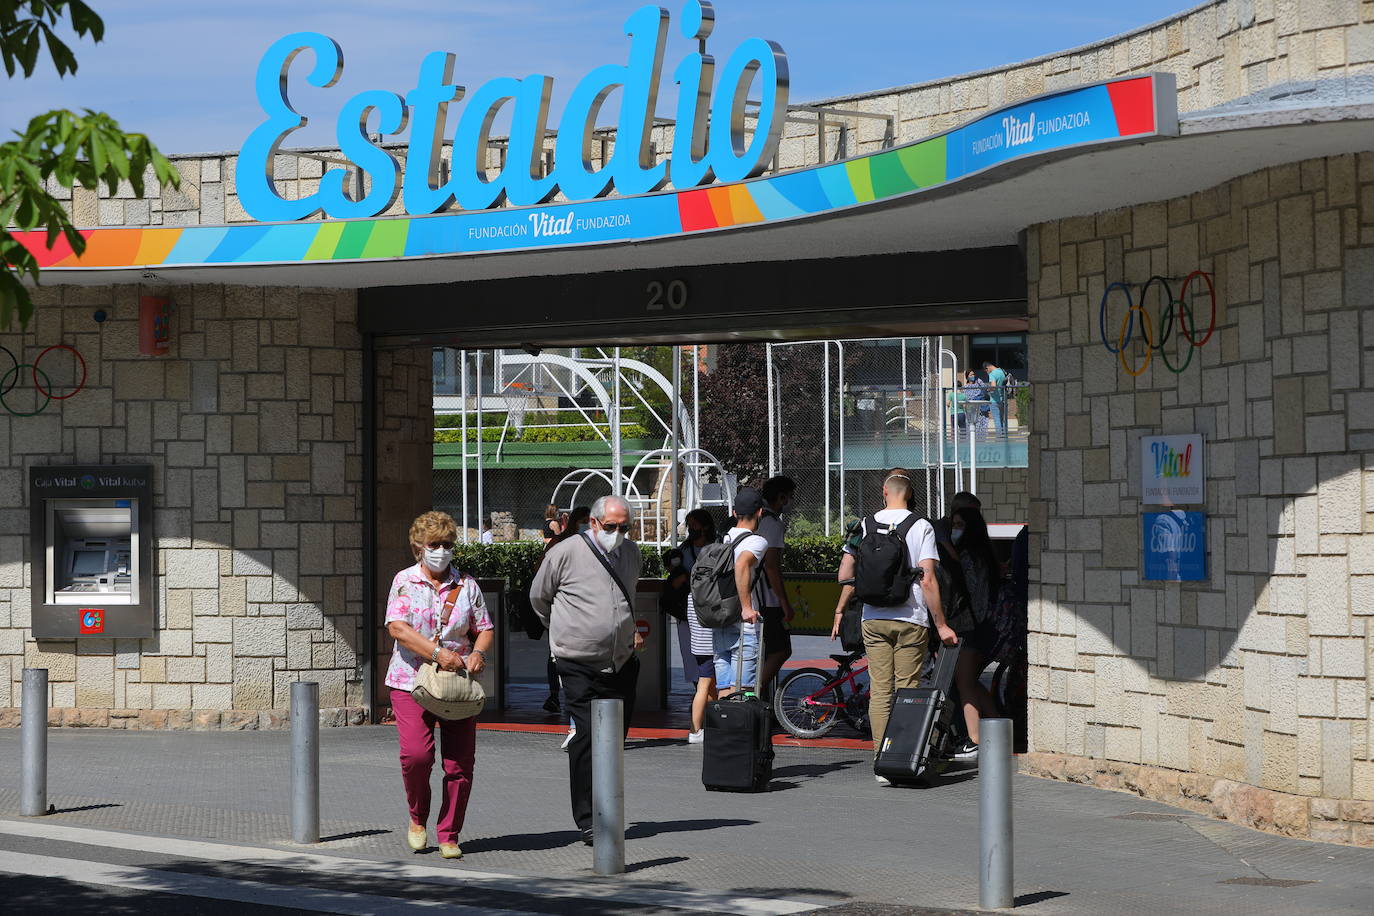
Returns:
point(458, 748)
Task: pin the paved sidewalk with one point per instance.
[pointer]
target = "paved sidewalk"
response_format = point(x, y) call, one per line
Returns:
point(828, 834)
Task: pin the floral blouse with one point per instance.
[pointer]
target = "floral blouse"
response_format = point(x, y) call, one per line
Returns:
point(415, 601)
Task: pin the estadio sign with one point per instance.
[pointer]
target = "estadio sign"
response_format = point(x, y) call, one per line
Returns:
point(712, 144)
point(1172, 470)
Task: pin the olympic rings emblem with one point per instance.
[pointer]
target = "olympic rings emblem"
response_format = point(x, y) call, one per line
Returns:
point(44, 387)
point(1156, 341)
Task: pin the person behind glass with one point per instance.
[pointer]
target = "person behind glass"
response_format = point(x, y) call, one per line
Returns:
point(488, 535)
point(896, 638)
point(583, 593)
point(694, 640)
point(982, 577)
point(552, 526)
point(421, 597)
point(974, 414)
point(730, 641)
point(997, 393)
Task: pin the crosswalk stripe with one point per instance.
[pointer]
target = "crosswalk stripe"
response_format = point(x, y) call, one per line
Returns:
point(453, 875)
point(152, 880)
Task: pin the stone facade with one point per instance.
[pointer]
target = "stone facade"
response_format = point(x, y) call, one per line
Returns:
point(1217, 52)
point(253, 426)
point(1261, 675)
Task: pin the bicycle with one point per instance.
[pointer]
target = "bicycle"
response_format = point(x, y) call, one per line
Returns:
point(809, 702)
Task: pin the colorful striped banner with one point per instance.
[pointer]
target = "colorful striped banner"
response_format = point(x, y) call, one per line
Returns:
point(1132, 108)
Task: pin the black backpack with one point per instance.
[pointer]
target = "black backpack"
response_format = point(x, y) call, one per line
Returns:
point(954, 598)
point(883, 575)
point(714, 596)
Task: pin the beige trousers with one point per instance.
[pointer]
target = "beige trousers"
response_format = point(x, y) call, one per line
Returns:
point(896, 651)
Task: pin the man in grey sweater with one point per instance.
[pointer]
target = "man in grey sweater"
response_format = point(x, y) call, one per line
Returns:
point(583, 594)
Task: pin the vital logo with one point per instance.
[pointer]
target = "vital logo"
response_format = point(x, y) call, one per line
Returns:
point(1017, 131)
point(88, 482)
point(1169, 462)
point(92, 621)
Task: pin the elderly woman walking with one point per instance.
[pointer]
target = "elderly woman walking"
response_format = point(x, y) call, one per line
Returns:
point(426, 599)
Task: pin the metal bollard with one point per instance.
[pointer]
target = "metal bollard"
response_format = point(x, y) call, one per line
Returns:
point(33, 758)
point(994, 815)
point(305, 762)
point(608, 787)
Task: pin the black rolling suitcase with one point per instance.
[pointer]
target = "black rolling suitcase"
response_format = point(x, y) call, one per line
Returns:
point(919, 735)
point(738, 752)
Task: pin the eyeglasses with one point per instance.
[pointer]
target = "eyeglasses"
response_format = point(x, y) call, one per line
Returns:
point(447, 545)
point(613, 528)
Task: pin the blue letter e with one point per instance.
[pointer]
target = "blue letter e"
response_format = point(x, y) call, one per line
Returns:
point(253, 178)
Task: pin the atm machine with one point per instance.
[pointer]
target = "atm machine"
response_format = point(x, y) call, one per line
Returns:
point(92, 551)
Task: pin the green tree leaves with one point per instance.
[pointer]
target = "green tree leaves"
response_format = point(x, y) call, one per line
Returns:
point(59, 148)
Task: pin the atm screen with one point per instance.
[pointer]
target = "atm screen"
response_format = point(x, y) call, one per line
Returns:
point(88, 562)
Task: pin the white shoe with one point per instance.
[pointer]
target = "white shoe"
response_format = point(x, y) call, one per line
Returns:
point(696, 737)
point(882, 780)
point(572, 733)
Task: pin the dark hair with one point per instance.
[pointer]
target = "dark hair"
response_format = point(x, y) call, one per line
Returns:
point(987, 363)
point(707, 523)
point(976, 539)
point(774, 487)
point(964, 500)
point(578, 515)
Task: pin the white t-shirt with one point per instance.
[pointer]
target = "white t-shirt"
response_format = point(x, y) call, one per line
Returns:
point(773, 530)
point(920, 545)
point(756, 545)
point(488, 537)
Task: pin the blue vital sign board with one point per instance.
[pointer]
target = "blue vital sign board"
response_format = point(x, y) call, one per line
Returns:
point(1175, 546)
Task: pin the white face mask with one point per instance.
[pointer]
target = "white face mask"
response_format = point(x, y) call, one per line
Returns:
point(610, 540)
point(956, 534)
point(437, 559)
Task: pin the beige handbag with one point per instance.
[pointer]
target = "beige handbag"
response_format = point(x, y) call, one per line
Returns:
point(448, 694)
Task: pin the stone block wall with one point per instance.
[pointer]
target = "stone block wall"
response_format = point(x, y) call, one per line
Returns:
point(1261, 676)
point(1217, 52)
point(252, 424)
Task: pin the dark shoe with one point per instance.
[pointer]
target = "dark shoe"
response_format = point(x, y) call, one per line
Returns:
point(551, 705)
point(966, 751)
point(586, 836)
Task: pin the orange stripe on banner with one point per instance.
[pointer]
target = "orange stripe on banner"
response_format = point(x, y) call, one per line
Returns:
point(111, 248)
point(742, 205)
point(720, 205)
point(156, 244)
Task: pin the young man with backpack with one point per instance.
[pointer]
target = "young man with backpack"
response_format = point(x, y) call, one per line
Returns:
point(895, 578)
point(727, 593)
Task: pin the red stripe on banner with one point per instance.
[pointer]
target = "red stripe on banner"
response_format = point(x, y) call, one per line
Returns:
point(37, 242)
point(694, 209)
point(1133, 101)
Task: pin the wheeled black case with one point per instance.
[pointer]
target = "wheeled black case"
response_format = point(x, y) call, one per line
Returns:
point(919, 736)
point(737, 755)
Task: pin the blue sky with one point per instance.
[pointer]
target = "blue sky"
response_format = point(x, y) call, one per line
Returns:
point(182, 72)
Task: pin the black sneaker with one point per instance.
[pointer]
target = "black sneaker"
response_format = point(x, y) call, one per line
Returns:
point(586, 836)
point(966, 751)
point(551, 705)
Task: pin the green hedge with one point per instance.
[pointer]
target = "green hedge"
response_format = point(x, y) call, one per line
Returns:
point(515, 561)
point(537, 433)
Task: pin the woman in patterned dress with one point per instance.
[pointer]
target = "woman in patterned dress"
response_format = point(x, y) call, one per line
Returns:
point(414, 610)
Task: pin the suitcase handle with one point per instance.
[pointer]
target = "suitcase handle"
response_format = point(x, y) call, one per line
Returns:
point(758, 666)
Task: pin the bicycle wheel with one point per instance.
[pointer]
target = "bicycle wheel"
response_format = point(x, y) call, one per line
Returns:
point(806, 704)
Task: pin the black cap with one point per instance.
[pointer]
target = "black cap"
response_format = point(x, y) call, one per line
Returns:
point(748, 500)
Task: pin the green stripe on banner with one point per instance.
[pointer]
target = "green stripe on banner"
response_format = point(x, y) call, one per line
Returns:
point(889, 176)
point(388, 239)
point(861, 179)
point(353, 240)
point(326, 240)
point(926, 162)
